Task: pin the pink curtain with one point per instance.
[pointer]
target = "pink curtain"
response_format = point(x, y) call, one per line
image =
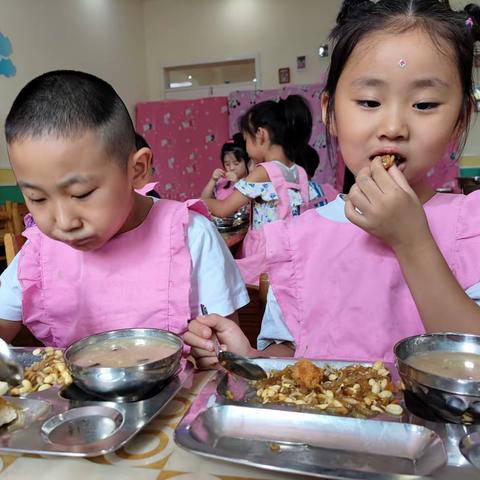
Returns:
point(186, 137)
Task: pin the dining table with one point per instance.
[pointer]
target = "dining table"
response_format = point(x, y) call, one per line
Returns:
point(150, 455)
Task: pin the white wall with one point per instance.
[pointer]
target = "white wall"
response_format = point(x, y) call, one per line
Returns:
point(103, 37)
point(182, 32)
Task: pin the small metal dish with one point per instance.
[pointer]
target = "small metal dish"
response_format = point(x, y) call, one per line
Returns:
point(455, 400)
point(128, 383)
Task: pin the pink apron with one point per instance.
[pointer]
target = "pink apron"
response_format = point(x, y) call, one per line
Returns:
point(147, 188)
point(139, 279)
point(341, 290)
point(221, 193)
point(251, 260)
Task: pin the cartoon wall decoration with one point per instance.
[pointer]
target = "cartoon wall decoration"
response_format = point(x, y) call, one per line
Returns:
point(186, 137)
point(7, 68)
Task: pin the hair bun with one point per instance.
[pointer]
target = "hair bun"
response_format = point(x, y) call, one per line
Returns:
point(473, 13)
point(348, 7)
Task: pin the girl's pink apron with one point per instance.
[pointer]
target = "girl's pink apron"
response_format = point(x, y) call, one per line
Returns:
point(139, 279)
point(251, 259)
point(221, 193)
point(341, 290)
point(147, 188)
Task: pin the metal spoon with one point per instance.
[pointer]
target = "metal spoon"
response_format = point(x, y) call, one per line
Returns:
point(10, 370)
point(236, 364)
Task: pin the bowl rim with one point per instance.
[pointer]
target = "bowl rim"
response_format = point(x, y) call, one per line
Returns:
point(447, 384)
point(77, 345)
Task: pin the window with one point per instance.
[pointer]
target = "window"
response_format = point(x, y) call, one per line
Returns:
point(210, 74)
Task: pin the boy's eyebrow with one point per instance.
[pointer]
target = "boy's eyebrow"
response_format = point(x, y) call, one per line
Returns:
point(23, 184)
point(74, 179)
point(63, 184)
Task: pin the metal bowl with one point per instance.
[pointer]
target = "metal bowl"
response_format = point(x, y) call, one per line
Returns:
point(237, 220)
point(452, 399)
point(124, 383)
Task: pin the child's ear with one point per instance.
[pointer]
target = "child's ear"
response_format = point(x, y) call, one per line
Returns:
point(262, 136)
point(324, 103)
point(140, 167)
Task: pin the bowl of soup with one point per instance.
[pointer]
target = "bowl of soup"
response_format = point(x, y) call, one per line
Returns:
point(442, 372)
point(125, 364)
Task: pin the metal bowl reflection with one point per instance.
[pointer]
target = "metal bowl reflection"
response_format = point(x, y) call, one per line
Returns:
point(453, 399)
point(127, 383)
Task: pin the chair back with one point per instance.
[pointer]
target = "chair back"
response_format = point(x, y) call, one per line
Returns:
point(13, 243)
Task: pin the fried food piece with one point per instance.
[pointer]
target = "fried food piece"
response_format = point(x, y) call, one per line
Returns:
point(8, 413)
point(388, 161)
point(307, 374)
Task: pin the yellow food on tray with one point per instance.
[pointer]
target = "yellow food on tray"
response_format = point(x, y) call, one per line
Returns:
point(353, 390)
point(8, 412)
point(50, 370)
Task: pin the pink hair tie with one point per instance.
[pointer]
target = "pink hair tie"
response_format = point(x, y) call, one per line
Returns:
point(469, 22)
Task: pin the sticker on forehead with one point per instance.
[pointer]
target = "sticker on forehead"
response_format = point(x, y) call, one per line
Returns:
point(402, 63)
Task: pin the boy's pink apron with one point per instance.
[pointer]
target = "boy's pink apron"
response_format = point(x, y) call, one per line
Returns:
point(139, 279)
point(251, 259)
point(341, 290)
point(221, 193)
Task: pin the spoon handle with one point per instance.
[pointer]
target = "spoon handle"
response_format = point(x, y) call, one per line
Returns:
point(216, 343)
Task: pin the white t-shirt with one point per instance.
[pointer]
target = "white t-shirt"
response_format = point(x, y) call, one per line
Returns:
point(274, 328)
point(216, 280)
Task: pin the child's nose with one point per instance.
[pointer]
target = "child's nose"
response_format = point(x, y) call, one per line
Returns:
point(66, 219)
point(393, 126)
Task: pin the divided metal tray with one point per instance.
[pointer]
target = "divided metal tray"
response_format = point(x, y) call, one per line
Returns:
point(287, 439)
point(71, 423)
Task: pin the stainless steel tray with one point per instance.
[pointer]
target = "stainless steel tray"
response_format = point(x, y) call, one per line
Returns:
point(78, 426)
point(322, 446)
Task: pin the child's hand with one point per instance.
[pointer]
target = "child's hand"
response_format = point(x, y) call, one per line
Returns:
point(232, 177)
point(217, 174)
point(229, 334)
point(383, 203)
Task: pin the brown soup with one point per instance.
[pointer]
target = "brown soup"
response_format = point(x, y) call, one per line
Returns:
point(461, 365)
point(123, 352)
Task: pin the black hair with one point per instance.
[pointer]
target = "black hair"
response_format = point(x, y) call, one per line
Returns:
point(310, 161)
point(66, 104)
point(358, 18)
point(140, 141)
point(288, 122)
point(236, 146)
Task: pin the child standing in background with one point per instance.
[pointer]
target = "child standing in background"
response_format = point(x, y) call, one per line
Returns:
point(276, 135)
point(235, 162)
point(101, 256)
point(393, 258)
